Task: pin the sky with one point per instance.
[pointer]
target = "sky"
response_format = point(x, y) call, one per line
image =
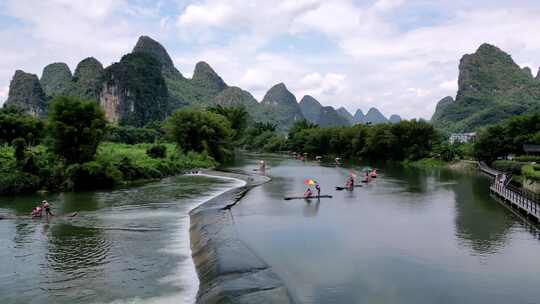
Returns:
point(400, 56)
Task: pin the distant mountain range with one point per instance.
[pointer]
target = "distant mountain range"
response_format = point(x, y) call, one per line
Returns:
point(145, 86)
point(329, 117)
point(491, 88)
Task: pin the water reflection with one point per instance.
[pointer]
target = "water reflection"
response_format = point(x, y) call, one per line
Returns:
point(130, 244)
point(410, 236)
point(481, 223)
point(311, 207)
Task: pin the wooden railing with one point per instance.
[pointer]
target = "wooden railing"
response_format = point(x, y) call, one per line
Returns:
point(526, 202)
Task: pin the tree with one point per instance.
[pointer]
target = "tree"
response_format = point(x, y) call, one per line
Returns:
point(199, 131)
point(507, 137)
point(15, 124)
point(76, 128)
point(237, 116)
point(297, 128)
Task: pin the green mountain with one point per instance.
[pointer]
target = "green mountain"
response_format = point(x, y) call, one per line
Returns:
point(329, 117)
point(145, 86)
point(200, 90)
point(56, 79)
point(280, 107)
point(25, 93)
point(394, 118)
point(346, 114)
point(234, 96)
point(358, 117)
point(153, 48)
point(87, 80)
point(491, 88)
point(311, 108)
point(374, 116)
point(441, 105)
point(207, 80)
point(134, 91)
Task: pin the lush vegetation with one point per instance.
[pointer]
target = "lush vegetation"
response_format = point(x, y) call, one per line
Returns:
point(531, 172)
point(140, 82)
point(75, 128)
point(15, 124)
point(492, 88)
point(407, 140)
point(508, 138)
point(73, 155)
point(132, 135)
point(201, 131)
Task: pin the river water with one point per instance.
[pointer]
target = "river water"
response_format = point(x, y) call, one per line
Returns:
point(125, 246)
point(409, 236)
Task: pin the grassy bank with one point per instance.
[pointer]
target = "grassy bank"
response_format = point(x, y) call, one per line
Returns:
point(114, 164)
point(431, 163)
point(426, 163)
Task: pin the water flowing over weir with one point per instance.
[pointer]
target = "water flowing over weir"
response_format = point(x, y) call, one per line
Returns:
point(126, 246)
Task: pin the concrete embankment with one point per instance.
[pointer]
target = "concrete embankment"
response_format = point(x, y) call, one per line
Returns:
point(229, 271)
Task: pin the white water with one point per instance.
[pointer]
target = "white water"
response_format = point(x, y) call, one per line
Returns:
point(185, 274)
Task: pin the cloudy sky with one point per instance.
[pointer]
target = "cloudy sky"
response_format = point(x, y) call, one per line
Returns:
point(400, 56)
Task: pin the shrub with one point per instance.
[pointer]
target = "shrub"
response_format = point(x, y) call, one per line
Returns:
point(157, 151)
point(198, 131)
point(19, 144)
point(131, 135)
point(527, 158)
point(18, 182)
point(508, 166)
point(531, 172)
point(92, 175)
point(76, 129)
point(15, 124)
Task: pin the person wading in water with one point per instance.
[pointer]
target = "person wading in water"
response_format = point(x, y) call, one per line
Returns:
point(47, 207)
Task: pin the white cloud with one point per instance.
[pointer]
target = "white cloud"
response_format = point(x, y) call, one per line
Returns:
point(328, 85)
point(3, 94)
point(343, 52)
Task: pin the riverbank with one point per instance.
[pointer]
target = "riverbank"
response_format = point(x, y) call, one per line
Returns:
point(115, 164)
point(430, 163)
point(228, 270)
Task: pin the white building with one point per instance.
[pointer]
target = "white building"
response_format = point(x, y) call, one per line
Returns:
point(462, 138)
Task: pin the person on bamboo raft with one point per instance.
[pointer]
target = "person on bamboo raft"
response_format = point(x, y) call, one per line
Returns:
point(349, 184)
point(37, 212)
point(47, 207)
point(308, 193)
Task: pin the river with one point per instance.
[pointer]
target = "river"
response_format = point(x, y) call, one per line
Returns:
point(129, 245)
point(409, 236)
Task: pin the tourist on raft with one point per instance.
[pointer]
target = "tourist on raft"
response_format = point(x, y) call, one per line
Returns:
point(47, 207)
point(37, 212)
point(308, 193)
point(349, 184)
point(367, 179)
point(318, 188)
